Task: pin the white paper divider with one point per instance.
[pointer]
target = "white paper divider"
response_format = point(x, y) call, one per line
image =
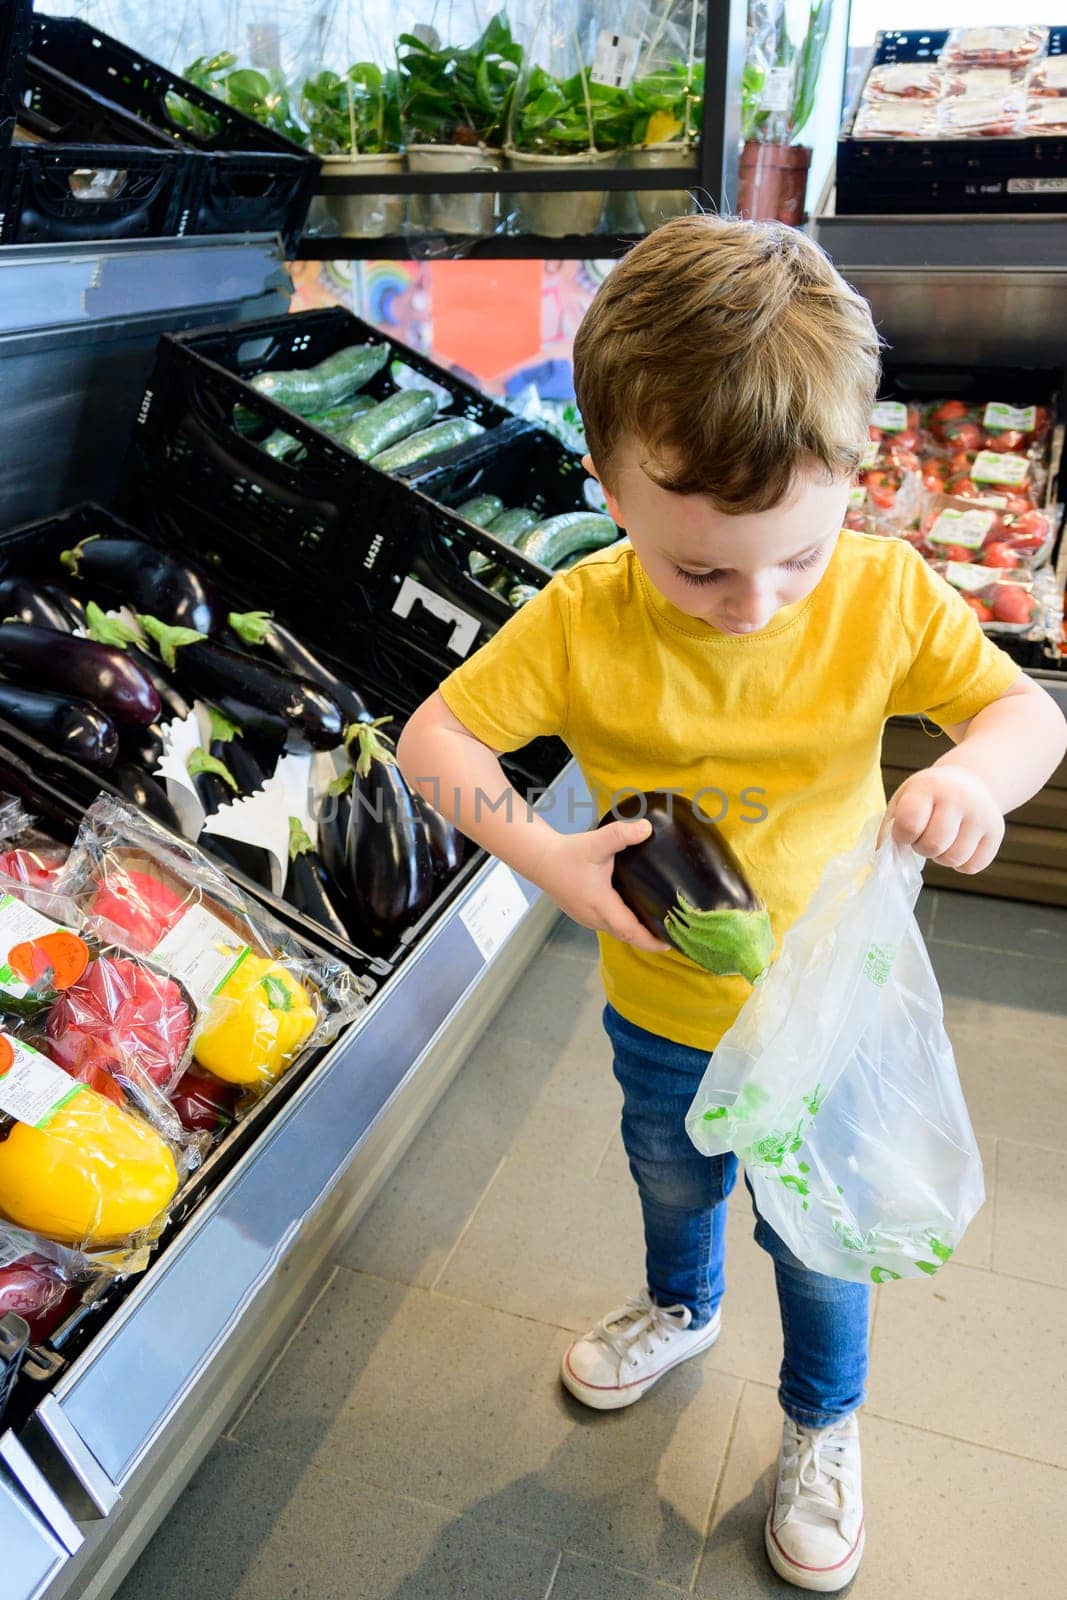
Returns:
point(263, 818)
point(181, 736)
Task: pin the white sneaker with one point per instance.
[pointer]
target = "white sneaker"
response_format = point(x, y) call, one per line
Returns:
point(814, 1532)
point(624, 1355)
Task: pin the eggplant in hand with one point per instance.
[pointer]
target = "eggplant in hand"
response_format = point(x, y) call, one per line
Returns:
point(244, 686)
point(104, 676)
point(70, 727)
point(446, 841)
point(23, 601)
point(387, 852)
point(148, 580)
point(684, 884)
point(306, 885)
point(261, 631)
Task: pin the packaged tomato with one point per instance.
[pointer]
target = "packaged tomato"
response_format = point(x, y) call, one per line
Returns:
point(1007, 46)
point(1008, 595)
point(1049, 78)
point(904, 80)
point(1019, 430)
point(895, 119)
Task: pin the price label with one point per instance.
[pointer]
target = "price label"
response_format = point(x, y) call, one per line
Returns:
point(1000, 466)
point(966, 528)
point(983, 80)
point(20, 928)
point(1053, 73)
point(890, 415)
point(32, 1088)
point(614, 59)
point(857, 497)
point(200, 950)
point(968, 576)
point(870, 454)
point(777, 92)
point(490, 915)
point(1000, 417)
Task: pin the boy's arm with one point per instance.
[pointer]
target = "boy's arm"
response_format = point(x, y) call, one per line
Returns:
point(463, 779)
point(954, 810)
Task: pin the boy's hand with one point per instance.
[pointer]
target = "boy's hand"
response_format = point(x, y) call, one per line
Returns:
point(576, 872)
point(948, 814)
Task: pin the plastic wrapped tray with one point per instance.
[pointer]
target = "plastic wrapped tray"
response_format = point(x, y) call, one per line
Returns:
point(900, 176)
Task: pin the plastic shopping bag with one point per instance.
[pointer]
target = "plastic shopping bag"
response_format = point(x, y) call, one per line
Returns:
point(837, 1086)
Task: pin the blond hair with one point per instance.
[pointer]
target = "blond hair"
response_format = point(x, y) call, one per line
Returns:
point(735, 355)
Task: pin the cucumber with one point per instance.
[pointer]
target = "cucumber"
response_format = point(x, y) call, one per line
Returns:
point(550, 542)
point(519, 593)
point(430, 442)
point(336, 418)
point(390, 422)
point(507, 528)
point(481, 509)
point(308, 389)
point(282, 446)
point(510, 524)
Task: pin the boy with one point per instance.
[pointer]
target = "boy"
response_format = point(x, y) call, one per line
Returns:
point(738, 642)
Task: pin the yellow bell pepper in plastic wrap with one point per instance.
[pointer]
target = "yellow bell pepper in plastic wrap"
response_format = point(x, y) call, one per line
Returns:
point(88, 1174)
point(256, 1023)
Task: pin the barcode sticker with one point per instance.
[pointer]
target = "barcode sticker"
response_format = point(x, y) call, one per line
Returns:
point(200, 950)
point(492, 912)
point(890, 415)
point(968, 576)
point(614, 59)
point(1000, 417)
point(32, 1088)
point(966, 528)
point(777, 94)
point(1000, 466)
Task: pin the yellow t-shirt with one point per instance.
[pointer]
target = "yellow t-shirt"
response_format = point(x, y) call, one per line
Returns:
point(782, 728)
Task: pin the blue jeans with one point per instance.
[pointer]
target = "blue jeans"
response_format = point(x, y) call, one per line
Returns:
point(683, 1198)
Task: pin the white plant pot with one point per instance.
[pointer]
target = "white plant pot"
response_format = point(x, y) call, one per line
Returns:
point(660, 205)
point(556, 214)
point(453, 213)
point(359, 216)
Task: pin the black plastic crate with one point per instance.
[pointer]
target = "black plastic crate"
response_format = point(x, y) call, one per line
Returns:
point(60, 195)
point(243, 176)
point(16, 22)
point(916, 176)
point(398, 557)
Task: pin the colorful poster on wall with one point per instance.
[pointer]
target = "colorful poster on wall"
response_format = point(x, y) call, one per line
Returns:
point(508, 326)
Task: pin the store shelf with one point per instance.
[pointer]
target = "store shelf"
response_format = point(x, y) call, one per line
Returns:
point(451, 246)
point(126, 1426)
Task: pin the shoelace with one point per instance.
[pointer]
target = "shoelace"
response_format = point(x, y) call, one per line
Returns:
point(636, 1326)
point(813, 1465)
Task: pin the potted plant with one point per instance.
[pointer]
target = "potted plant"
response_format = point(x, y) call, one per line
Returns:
point(353, 123)
point(561, 122)
point(777, 98)
point(454, 103)
point(668, 108)
point(260, 95)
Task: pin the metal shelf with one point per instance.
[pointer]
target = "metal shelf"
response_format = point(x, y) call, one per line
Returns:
point(468, 247)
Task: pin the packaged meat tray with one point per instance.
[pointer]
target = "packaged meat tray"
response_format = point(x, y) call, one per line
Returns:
point(995, 47)
point(905, 80)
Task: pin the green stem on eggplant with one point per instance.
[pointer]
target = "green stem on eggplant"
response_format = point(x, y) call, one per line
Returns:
point(200, 761)
point(169, 637)
point(71, 559)
point(722, 941)
point(223, 729)
point(109, 630)
point(250, 626)
point(373, 746)
point(299, 841)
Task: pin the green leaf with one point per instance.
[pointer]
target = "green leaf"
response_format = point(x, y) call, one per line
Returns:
point(299, 841)
point(200, 761)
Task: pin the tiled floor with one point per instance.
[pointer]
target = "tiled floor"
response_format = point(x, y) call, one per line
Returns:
point(416, 1444)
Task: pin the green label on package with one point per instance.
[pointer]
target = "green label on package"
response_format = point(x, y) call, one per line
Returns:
point(870, 454)
point(890, 415)
point(966, 528)
point(32, 1088)
point(20, 925)
point(1000, 466)
point(857, 495)
point(968, 576)
point(879, 962)
point(1000, 417)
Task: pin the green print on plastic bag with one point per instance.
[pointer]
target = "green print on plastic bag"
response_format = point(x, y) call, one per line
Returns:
point(715, 1113)
point(879, 962)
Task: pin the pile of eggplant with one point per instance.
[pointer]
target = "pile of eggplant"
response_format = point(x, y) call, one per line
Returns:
point(99, 659)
